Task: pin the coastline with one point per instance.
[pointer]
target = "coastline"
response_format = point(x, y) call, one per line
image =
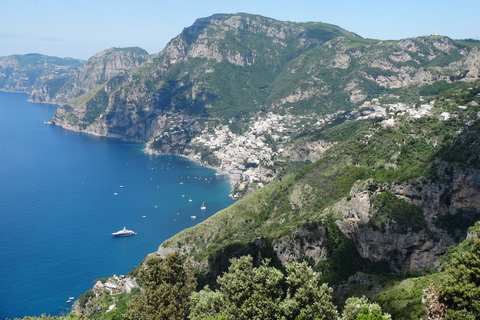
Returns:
point(232, 179)
point(84, 192)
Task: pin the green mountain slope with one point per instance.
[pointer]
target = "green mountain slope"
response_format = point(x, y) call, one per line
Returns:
point(384, 197)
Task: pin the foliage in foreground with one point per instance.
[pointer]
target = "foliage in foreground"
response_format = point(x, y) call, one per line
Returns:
point(246, 292)
point(168, 285)
point(460, 288)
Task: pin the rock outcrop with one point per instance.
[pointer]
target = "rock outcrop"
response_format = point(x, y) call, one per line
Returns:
point(414, 250)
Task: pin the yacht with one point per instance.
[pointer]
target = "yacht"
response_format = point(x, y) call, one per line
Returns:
point(203, 206)
point(123, 233)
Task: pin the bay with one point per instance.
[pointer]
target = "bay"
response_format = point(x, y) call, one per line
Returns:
point(63, 193)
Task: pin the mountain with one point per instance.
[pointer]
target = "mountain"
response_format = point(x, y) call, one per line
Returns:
point(94, 72)
point(231, 66)
point(56, 80)
point(389, 195)
point(21, 73)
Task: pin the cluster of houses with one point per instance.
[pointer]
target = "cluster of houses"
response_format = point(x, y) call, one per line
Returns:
point(247, 157)
point(115, 285)
point(373, 109)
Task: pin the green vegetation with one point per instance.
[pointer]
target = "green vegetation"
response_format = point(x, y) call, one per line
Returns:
point(402, 216)
point(168, 285)
point(460, 286)
point(246, 292)
point(362, 309)
point(95, 107)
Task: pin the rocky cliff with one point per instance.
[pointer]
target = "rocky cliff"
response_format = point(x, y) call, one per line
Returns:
point(406, 250)
point(96, 71)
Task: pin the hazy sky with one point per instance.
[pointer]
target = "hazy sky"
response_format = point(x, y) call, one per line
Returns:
point(81, 28)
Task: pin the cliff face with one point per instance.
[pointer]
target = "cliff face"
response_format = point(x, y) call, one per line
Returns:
point(96, 71)
point(403, 250)
point(456, 195)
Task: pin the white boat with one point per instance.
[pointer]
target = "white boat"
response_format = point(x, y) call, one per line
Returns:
point(190, 200)
point(123, 233)
point(193, 217)
point(203, 206)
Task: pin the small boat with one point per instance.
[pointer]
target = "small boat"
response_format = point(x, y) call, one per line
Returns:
point(68, 301)
point(124, 233)
point(203, 206)
point(71, 298)
point(190, 200)
point(193, 217)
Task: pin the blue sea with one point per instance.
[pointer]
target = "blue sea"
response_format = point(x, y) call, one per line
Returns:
point(63, 193)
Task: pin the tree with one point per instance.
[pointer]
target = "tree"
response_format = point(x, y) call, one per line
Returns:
point(305, 299)
point(246, 292)
point(361, 309)
point(205, 304)
point(460, 288)
point(168, 285)
point(250, 293)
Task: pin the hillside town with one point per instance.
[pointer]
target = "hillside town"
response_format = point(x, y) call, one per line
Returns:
point(250, 159)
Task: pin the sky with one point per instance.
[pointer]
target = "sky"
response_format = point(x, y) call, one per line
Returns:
point(82, 28)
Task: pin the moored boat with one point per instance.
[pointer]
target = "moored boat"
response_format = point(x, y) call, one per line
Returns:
point(124, 233)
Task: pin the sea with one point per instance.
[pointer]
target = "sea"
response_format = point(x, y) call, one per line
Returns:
point(62, 195)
